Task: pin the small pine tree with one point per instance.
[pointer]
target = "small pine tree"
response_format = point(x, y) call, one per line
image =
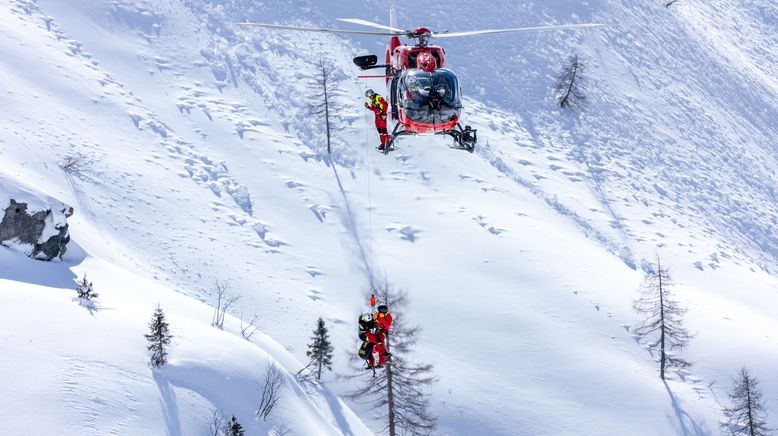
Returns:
point(158, 338)
point(746, 417)
point(320, 349)
point(85, 289)
point(234, 428)
point(664, 318)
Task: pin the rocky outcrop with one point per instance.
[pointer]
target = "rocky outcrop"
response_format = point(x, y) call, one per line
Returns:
point(46, 231)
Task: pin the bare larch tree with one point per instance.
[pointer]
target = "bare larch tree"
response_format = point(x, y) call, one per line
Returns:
point(399, 390)
point(747, 414)
point(568, 86)
point(663, 318)
point(323, 85)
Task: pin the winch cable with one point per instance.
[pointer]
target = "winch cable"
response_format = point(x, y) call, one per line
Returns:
point(369, 201)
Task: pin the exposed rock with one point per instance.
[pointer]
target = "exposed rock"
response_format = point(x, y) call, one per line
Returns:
point(45, 231)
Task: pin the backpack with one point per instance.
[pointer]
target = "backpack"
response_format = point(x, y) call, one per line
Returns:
point(366, 350)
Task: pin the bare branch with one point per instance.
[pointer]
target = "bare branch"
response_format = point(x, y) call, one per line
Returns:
point(217, 425)
point(75, 164)
point(270, 392)
point(248, 330)
point(223, 302)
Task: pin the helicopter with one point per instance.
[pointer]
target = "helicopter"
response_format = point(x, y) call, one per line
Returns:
point(425, 96)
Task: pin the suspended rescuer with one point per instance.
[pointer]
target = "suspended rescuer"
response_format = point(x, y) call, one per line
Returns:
point(378, 106)
point(372, 331)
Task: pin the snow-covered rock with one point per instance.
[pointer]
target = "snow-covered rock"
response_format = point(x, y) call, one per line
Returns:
point(43, 234)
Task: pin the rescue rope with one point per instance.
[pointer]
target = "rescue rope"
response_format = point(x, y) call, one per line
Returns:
point(369, 200)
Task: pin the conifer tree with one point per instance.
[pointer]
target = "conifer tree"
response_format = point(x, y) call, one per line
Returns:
point(747, 414)
point(158, 338)
point(85, 289)
point(663, 318)
point(234, 428)
point(320, 349)
point(399, 390)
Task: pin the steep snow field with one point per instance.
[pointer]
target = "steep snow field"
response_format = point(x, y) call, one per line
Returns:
point(521, 260)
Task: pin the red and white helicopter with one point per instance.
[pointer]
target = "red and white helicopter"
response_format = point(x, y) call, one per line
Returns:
point(425, 96)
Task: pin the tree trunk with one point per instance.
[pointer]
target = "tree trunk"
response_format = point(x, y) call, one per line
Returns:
point(326, 112)
point(318, 377)
point(390, 393)
point(662, 321)
point(748, 403)
point(572, 81)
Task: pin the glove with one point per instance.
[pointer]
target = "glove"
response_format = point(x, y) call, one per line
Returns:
point(367, 105)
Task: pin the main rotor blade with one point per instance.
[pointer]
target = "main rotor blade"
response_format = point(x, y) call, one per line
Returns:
point(315, 29)
point(518, 29)
point(372, 24)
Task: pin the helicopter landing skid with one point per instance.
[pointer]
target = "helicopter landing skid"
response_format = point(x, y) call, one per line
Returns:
point(464, 139)
point(395, 134)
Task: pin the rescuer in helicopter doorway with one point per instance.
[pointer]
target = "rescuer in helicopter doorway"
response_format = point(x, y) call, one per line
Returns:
point(378, 106)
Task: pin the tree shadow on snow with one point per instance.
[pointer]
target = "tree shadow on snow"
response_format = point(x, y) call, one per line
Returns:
point(337, 411)
point(687, 425)
point(349, 221)
point(169, 404)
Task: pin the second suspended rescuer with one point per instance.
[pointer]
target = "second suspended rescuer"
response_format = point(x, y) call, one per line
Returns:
point(378, 106)
point(372, 331)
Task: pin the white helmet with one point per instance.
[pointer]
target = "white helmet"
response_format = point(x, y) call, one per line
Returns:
point(366, 317)
point(369, 93)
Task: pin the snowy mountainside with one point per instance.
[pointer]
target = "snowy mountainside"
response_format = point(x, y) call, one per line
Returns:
point(76, 367)
point(521, 260)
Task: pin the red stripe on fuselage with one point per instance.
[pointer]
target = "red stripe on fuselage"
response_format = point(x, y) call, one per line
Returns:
point(414, 127)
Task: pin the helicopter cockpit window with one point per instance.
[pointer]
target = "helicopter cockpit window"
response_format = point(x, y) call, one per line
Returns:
point(430, 98)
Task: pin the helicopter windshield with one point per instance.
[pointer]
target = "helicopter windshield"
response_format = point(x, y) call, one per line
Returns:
point(430, 98)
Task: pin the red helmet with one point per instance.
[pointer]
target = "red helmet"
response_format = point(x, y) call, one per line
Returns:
point(426, 62)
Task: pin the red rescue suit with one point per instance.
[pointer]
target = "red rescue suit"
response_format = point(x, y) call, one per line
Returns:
point(379, 107)
point(383, 321)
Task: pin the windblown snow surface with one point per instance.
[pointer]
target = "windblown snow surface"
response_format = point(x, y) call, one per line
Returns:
point(203, 163)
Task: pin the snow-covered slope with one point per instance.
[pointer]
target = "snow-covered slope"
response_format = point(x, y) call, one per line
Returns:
point(75, 367)
point(521, 260)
